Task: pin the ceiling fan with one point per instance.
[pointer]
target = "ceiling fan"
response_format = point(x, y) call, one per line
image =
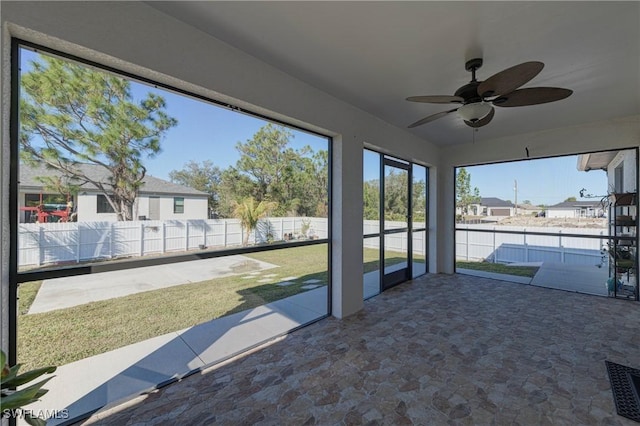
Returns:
point(477, 98)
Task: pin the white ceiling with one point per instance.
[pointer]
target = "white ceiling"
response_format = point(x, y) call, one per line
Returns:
point(375, 54)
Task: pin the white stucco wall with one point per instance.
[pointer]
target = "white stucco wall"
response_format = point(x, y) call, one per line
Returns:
point(86, 206)
point(194, 208)
point(553, 213)
point(627, 159)
point(139, 39)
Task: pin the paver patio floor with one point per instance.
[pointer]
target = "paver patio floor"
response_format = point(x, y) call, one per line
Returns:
point(442, 349)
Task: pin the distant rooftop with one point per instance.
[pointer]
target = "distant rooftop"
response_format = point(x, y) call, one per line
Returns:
point(495, 202)
point(574, 204)
point(151, 185)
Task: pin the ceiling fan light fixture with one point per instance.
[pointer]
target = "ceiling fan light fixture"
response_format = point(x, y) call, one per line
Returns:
point(473, 112)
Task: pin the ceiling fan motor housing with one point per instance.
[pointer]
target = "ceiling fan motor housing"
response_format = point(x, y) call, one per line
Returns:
point(469, 92)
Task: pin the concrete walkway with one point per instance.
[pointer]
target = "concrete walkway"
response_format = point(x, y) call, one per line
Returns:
point(104, 380)
point(60, 293)
point(587, 279)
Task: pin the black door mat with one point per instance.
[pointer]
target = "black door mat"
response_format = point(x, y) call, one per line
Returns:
point(624, 385)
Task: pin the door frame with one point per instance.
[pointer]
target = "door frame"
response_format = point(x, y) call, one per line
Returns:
point(388, 280)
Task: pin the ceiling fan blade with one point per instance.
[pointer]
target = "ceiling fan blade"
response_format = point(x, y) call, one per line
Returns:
point(483, 121)
point(508, 80)
point(431, 118)
point(532, 96)
point(436, 99)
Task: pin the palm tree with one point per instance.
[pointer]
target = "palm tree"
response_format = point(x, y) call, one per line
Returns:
point(250, 213)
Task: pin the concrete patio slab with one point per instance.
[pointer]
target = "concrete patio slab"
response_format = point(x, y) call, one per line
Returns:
point(66, 292)
point(586, 279)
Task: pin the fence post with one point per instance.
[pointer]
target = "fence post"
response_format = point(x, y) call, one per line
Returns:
point(186, 235)
point(163, 237)
point(40, 245)
point(204, 233)
point(526, 247)
point(560, 246)
point(467, 236)
point(78, 234)
point(282, 228)
point(142, 239)
point(224, 234)
point(495, 254)
point(111, 240)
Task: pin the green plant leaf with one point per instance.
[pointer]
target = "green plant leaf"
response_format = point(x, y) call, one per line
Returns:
point(35, 421)
point(13, 372)
point(31, 375)
point(24, 396)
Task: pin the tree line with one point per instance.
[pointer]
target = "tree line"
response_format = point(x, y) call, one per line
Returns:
point(295, 182)
point(396, 198)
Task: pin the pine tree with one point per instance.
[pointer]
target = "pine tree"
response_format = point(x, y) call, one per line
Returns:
point(72, 115)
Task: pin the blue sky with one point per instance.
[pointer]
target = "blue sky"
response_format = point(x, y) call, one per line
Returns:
point(208, 132)
point(544, 181)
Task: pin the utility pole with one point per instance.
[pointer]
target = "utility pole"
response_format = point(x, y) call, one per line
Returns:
point(515, 188)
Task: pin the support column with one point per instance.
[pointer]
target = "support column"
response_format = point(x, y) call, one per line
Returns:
point(346, 262)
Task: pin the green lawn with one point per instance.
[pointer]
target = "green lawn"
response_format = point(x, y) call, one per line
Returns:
point(67, 335)
point(499, 268)
point(372, 259)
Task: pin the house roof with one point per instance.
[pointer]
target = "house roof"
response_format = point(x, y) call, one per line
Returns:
point(595, 160)
point(494, 202)
point(575, 204)
point(151, 184)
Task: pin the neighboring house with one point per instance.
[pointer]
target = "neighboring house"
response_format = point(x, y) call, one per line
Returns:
point(157, 199)
point(492, 206)
point(576, 209)
point(528, 210)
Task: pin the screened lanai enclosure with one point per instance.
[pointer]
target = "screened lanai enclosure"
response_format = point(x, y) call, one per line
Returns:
point(579, 235)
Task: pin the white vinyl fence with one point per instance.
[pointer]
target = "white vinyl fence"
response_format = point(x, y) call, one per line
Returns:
point(72, 242)
point(523, 247)
point(395, 242)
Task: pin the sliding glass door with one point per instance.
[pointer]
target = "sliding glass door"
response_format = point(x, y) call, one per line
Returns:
point(395, 212)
